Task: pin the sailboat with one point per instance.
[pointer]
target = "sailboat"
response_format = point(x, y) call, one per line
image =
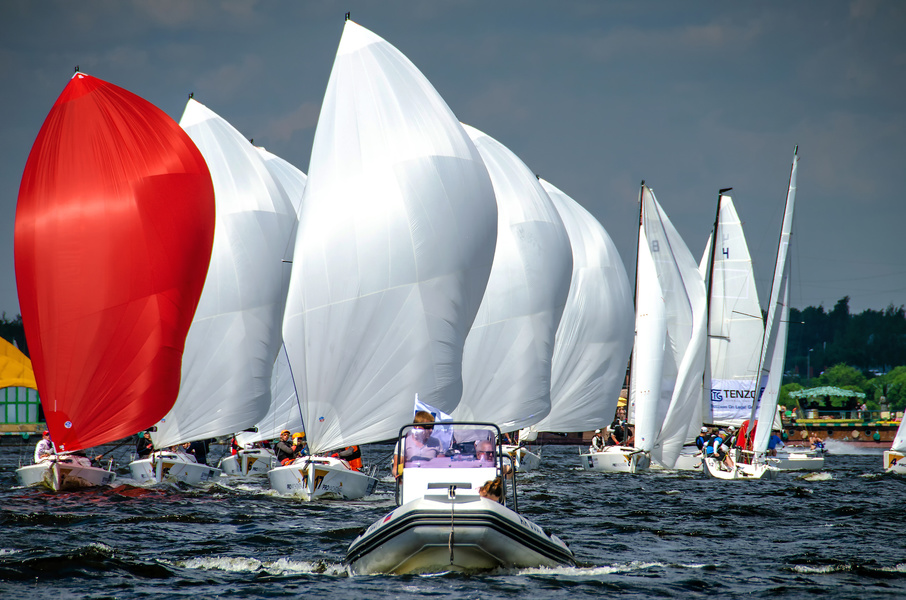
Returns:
point(253, 458)
point(507, 357)
point(895, 458)
point(594, 336)
point(668, 357)
point(756, 465)
point(395, 244)
point(235, 335)
point(114, 230)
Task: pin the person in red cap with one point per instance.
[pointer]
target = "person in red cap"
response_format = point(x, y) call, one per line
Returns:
point(44, 450)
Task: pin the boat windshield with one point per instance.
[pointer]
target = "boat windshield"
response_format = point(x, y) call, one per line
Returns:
point(448, 445)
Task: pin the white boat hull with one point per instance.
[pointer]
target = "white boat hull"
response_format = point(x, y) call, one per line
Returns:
point(463, 533)
point(739, 471)
point(171, 467)
point(799, 461)
point(684, 462)
point(248, 462)
point(63, 474)
point(894, 462)
point(324, 478)
point(616, 459)
point(523, 459)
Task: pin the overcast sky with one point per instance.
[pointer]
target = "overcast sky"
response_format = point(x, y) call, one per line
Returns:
point(594, 96)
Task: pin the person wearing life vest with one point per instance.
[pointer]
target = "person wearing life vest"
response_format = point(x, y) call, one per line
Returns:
point(597, 442)
point(352, 455)
point(284, 452)
point(702, 439)
point(300, 447)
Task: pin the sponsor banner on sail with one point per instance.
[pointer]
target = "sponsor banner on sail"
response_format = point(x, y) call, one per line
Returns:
point(731, 400)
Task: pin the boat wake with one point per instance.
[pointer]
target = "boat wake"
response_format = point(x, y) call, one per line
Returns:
point(281, 566)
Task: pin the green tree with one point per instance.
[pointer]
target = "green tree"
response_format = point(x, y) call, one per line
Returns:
point(891, 386)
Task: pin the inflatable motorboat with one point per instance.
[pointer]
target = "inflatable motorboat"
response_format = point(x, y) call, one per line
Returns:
point(449, 518)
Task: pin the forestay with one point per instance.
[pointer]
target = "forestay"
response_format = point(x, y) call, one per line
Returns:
point(113, 234)
point(507, 356)
point(395, 244)
point(777, 324)
point(235, 336)
point(594, 337)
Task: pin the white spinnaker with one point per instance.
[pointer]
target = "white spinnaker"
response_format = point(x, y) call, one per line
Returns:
point(777, 324)
point(235, 335)
point(395, 244)
point(507, 358)
point(679, 407)
point(594, 337)
point(899, 441)
point(283, 412)
point(736, 326)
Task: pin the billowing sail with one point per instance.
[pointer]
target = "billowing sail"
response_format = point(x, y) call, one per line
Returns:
point(235, 336)
point(395, 244)
point(114, 228)
point(669, 410)
point(899, 440)
point(777, 323)
point(507, 358)
point(594, 337)
point(283, 412)
point(736, 326)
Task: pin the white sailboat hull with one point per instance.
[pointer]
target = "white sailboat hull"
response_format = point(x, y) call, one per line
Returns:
point(463, 533)
point(739, 471)
point(321, 478)
point(248, 462)
point(799, 461)
point(524, 460)
point(171, 467)
point(894, 462)
point(63, 474)
point(616, 459)
point(684, 462)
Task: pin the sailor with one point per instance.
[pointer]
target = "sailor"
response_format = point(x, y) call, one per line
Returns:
point(597, 442)
point(300, 447)
point(612, 439)
point(702, 439)
point(352, 455)
point(44, 450)
point(284, 452)
point(145, 446)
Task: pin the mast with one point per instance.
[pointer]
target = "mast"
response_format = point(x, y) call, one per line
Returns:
point(635, 303)
point(768, 340)
point(706, 372)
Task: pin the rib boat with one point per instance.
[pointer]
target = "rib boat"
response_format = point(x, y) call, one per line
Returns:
point(444, 523)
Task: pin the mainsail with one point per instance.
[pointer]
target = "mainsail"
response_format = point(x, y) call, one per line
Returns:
point(669, 353)
point(735, 323)
point(235, 336)
point(395, 244)
point(507, 358)
point(114, 228)
point(594, 336)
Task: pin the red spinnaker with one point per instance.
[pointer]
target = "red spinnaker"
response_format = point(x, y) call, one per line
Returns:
point(114, 230)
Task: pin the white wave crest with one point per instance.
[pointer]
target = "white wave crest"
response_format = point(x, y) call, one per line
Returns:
point(819, 476)
point(822, 569)
point(251, 565)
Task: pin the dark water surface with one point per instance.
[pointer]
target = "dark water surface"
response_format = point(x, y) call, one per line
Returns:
point(834, 534)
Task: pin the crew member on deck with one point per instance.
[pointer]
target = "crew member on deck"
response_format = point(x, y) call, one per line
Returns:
point(284, 452)
point(44, 450)
point(145, 446)
point(597, 442)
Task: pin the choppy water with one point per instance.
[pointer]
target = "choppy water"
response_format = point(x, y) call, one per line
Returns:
point(834, 534)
